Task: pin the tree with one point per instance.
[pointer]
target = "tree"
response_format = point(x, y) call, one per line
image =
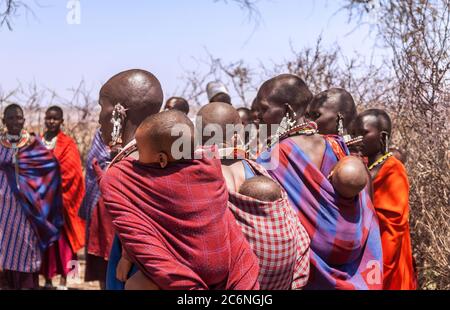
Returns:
point(10, 9)
point(417, 32)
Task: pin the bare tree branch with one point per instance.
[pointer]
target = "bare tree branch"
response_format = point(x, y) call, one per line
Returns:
point(418, 32)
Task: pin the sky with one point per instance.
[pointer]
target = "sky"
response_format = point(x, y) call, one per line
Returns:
point(163, 37)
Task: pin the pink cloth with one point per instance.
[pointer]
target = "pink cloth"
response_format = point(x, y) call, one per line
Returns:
point(56, 260)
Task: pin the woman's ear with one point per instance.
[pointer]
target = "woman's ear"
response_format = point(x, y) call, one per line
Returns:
point(163, 159)
point(384, 137)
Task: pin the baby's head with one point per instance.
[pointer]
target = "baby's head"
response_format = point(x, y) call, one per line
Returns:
point(157, 133)
point(349, 177)
point(261, 188)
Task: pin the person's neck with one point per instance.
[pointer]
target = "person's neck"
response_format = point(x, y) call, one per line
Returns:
point(128, 135)
point(375, 157)
point(49, 135)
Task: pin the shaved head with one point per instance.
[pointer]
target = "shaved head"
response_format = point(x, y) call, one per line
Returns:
point(375, 127)
point(13, 119)
point(325, 107)
point(57, 109)
point(155, 134)
point(138, 91)
point(177, 103)
point(383, 121)
point(261, 188)
point(220, 114)
point(246, 115)
point(275, 93)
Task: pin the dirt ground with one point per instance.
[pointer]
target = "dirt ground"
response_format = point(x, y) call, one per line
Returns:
point(75, 282)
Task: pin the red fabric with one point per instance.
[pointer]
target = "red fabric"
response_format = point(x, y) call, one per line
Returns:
point(277, 237)
point(391, 201)
point(101, 231)
point(335, 146)
point(56, 260)
point(175, 225)
point(66, 152)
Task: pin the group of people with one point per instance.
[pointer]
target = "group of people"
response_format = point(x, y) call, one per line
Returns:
point(297, 192)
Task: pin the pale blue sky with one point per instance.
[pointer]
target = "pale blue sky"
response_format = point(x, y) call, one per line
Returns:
point(162, 37)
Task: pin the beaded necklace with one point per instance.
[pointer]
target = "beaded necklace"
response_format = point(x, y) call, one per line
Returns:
point(15, 142)
point(349, 140)
point(50, 145)
point(380, 161)
point(303, 129)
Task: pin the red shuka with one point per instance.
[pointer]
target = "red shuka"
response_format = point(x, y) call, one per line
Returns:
point(391, 201)
point(175, 225)
point(66, 152)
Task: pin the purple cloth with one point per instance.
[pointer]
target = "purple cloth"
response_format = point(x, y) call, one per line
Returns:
point(30, 218)
point(345, 237)
point(100, 152)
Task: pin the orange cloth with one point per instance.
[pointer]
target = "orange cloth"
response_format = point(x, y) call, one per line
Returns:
point(391, 201)
point(66, 152)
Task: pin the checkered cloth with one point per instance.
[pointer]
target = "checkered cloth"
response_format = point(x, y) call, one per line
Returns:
point(276, 236)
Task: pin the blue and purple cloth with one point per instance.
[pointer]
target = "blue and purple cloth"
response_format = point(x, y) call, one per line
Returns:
point(345, 236)
point(31, 214)
point(99, 153)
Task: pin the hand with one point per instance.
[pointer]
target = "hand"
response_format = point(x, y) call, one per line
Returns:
point(123, 268)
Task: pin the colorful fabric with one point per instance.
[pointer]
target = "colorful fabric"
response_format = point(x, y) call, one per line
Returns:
point(56, 259)
point(66, 152)
point(98, 152)
point(99, 231)
point(39, 190)
point(30, 218)
point(19, 250)
point(345, 236)
point(175, 225)
point(276, 236)
point(391, 201)
point(15, 280)
point(112, 283)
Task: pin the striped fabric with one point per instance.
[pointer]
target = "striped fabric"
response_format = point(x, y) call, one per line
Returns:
point(276, 236)
point(30, 219)
point(345, 237)
point(100, 153)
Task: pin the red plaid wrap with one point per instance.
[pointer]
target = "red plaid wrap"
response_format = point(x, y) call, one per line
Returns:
point(276, 236)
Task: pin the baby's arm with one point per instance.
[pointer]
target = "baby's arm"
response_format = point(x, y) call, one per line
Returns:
point(123, 268)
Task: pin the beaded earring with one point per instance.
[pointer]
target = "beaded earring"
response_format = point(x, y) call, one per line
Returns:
point(340, 124)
